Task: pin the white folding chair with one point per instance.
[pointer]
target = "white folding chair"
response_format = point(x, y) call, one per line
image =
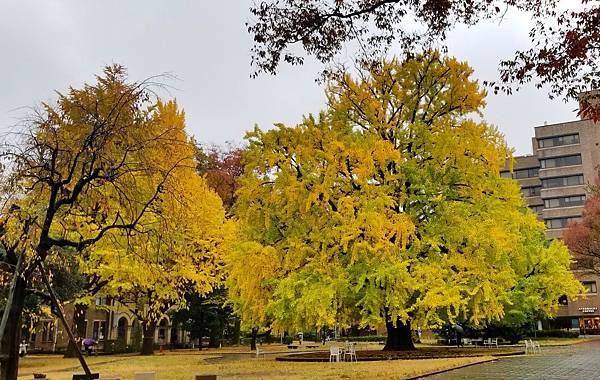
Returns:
point(260, 352)
point(334, 354)
point(535, 346)
point(350, 351)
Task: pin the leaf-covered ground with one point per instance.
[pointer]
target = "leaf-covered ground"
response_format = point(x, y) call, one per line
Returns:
point(184, 366)
point(422, 353)
point(239, 363)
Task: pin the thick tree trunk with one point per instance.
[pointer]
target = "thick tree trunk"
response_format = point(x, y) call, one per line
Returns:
point(78, 329)
point(148, 339)
point(236, 331)
point(399, 337)
point(213, 341)
point(9, 346)
point(253, 340)
point(201, 334)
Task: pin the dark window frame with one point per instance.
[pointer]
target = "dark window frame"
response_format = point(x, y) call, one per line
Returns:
point(593, 286)
point(545, 160)
point(558, 137)
point(99, 330)
point(527, 193)
point(536, 208)
point(547, 201)
point(564, 178)
point(48, 332)
point(566, 219)
point(532, 172)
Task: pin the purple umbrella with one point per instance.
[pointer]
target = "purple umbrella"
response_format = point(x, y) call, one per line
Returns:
point(88, 342)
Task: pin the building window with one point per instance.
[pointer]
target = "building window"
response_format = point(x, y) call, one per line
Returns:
point(531, 191)
point(575, 200)
point(48, 331)
point(537, 208)
point(556, 162)
point(548, 142)
point(560, 222)
point(590, 286)
point(505, 174)
point(526, 173)
point(98, 330)
point(101, 301)
point(571, 180)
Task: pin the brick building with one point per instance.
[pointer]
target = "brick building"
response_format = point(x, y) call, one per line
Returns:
point(109, 324)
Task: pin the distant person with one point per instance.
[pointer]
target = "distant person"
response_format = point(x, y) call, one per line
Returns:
point(459, 333)
point(88, 345)
point(23, 348)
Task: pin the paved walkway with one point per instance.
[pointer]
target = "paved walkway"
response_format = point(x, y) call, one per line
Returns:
point(579, 361)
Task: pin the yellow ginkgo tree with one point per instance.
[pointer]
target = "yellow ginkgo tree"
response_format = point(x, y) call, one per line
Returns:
point(177, 248)
point(387, 209)
point(88, 171)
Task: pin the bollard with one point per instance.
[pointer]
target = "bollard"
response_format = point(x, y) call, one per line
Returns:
point(84, 376)
point(145, 376)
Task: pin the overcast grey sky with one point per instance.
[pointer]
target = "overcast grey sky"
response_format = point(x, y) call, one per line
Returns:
point(48, 45)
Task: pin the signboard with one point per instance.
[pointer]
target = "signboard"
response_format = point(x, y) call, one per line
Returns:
point(588, 309)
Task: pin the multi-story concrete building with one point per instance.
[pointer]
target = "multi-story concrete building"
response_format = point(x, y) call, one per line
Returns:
point(555, 181)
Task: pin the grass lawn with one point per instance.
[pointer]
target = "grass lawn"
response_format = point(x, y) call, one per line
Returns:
point(238, 363)
point(560, 341)
point(184, 365)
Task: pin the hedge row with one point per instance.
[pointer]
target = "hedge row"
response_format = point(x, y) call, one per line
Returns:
point(366, 338)
point(557, 334)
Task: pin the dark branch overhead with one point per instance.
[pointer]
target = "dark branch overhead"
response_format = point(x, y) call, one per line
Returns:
point(564, 50)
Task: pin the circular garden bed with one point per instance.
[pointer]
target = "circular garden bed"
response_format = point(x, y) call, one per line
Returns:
point(421, 353)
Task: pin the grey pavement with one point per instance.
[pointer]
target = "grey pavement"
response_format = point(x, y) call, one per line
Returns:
point(580, 361)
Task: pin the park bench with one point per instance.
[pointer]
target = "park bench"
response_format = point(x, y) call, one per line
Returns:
point(312, 346)
point(293, 346)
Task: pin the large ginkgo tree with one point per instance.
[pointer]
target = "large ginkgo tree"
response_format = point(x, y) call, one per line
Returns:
point(106, 173)
point(387, 209)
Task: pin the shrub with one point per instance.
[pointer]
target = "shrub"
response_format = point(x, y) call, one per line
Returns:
point(557, 334)
point(367, 338)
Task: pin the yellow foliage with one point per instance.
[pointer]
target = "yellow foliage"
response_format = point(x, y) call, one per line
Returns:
point(181, 239)
point(389, 204)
